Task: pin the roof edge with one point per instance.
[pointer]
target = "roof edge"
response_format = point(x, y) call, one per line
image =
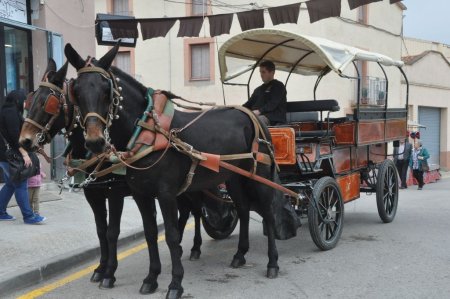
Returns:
point(416, 58)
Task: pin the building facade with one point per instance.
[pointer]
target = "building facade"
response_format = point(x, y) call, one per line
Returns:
point(188, 66)
point(428, 68)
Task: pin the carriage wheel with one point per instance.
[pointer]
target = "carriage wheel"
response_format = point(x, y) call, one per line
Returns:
point(326, 213)
point(387, 191)
point(225, 229)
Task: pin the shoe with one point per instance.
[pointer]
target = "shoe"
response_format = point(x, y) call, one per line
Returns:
point(420, 188)
point(36, 219)
point(7, 217)
point(402, 188)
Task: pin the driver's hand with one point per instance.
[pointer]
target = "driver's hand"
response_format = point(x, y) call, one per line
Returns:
point(256, 112)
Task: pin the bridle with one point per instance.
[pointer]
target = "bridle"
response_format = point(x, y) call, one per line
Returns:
point(55, 101)
point(114, 97)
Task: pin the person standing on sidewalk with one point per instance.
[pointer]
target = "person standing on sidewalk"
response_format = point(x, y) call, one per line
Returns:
point(35, 183)
point(11, 121)
point(419, 157)
point(401, 159)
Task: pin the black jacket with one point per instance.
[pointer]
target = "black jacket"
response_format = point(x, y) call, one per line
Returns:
point(11, 121)
point(270, 100)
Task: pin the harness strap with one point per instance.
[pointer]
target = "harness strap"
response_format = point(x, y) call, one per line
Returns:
point(189, 176)
point(89, 163)
point(29, 120)
point(51, 86)
point(257, 178)
point(93, 69)
point(260, 157)
point(94, 115)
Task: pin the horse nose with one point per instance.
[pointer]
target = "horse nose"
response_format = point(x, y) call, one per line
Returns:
point(96, 145)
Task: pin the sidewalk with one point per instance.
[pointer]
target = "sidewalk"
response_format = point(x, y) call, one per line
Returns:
point(32, 253)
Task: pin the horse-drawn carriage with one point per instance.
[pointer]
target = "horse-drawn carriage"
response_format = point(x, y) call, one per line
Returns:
point(327, 160)
point(321, 162)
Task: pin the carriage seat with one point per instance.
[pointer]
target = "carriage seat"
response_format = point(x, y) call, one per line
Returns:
point(309, 110)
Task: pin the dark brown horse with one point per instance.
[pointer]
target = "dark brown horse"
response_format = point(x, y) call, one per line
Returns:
point(220, 131)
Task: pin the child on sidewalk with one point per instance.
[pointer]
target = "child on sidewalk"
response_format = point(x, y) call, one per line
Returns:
point(34, 185)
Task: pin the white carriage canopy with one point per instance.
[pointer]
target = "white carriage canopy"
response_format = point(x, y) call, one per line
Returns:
point(249, 46)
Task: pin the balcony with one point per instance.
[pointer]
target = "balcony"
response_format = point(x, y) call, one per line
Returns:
point(373, 91)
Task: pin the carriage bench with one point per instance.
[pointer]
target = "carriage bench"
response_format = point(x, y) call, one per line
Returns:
point(301, 111)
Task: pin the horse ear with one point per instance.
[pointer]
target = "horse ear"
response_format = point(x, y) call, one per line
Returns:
point(51, 67)
point(73, 57)
point(106, 61)
point(58, 77)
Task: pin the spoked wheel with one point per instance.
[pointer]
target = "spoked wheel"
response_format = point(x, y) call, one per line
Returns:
point(387, 191)
point(326, 213)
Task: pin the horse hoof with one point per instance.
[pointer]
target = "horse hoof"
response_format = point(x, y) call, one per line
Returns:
point(174, 294)
point(195, 255)
point(237, 262)
point(107, 283)
point(148, 288)
point(272, 272)
point(96, 277)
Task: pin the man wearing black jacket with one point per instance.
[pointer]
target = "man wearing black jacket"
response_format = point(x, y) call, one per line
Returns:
point(268, 101)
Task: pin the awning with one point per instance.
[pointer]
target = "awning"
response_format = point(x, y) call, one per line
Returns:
point(286, 49)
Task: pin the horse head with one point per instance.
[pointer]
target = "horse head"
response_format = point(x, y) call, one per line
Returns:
point(47, 109)
point(96, 94)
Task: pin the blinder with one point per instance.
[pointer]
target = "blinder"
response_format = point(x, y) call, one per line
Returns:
point(29, 101)
point(52, 104)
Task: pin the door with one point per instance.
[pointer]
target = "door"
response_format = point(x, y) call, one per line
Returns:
point(430, 136)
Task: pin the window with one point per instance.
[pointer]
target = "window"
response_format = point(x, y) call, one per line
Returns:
point(123, 61)
point(120, 7)
point(200, 68)
point(199, 7)
point(198, 59)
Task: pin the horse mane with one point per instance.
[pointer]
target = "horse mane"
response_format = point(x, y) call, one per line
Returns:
point(128, 78)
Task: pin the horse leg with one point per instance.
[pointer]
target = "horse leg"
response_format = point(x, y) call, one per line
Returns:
point(265, 195)
point(236, 190)
point(147, 209)
point(115, 203)
point(197, 212)
point(97, 202)
point(184, 209)
point(168, 205)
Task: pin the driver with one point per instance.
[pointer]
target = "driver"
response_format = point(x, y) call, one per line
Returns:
point(268, 101)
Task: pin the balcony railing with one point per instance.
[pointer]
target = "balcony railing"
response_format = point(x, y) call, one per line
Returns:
point(373, 91)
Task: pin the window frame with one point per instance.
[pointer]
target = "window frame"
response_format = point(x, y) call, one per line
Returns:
point(188, 42)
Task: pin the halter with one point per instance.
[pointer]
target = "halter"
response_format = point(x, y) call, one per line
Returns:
point(60, 97)
point(114, 97)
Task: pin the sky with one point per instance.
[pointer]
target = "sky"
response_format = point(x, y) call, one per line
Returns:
point(429, 20)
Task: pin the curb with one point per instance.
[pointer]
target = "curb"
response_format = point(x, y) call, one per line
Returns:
point(59, 264)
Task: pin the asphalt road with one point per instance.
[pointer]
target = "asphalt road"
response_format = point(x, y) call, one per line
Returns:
point(408, 258)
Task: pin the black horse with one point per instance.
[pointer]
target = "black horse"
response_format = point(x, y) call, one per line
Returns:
point(219, 131)
point(112, 186)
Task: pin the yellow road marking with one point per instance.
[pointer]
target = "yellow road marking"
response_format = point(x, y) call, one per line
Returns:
point(63, 281)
